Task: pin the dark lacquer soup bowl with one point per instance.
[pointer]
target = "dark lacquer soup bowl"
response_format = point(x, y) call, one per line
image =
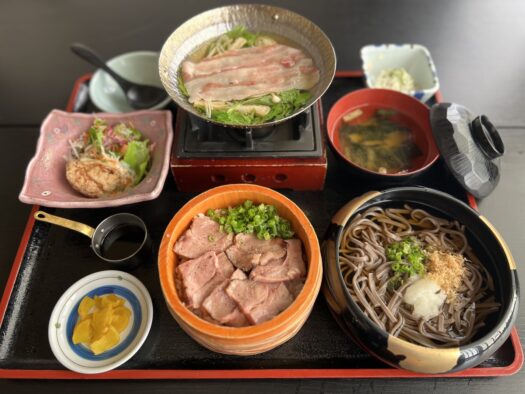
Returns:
point(485, 243)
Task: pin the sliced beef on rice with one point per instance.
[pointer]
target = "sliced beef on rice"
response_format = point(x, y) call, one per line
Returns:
point(259, 301)
point(295, 286)
point(238, 274)
point(202, 275)
point(289, 268)
point(249, 251)
point(223, 309)
point(203, 236)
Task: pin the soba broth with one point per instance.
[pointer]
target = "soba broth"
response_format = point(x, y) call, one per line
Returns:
point(379, 139)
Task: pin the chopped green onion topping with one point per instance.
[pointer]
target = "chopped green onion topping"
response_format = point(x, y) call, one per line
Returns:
point(407, 259)
point(261, 220)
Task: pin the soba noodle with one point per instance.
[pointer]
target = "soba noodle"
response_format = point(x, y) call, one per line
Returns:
point(367, 271)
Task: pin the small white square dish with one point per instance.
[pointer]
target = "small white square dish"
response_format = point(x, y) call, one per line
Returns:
point(413, 58)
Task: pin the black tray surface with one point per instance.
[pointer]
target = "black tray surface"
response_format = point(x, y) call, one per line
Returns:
point(55, 258)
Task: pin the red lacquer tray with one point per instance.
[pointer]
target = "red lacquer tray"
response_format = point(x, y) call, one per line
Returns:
point(320, 350)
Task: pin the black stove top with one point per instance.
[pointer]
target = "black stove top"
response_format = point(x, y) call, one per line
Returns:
point(297, 137)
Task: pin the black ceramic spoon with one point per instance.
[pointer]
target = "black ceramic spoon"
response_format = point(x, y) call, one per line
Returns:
point(138, 96)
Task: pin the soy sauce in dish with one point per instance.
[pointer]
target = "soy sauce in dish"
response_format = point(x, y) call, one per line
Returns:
point(122, 242)
point(379, 140)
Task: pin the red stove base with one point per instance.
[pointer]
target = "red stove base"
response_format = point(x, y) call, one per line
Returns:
point(195, 175)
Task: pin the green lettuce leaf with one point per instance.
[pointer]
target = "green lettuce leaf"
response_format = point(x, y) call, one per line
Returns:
point(96, 134)
point(240, 31)
point(127, 132)
point(290, 101)
point(137, 157)
point(180, 82)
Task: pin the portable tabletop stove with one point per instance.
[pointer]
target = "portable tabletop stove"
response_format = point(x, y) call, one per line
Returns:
point(289, 155)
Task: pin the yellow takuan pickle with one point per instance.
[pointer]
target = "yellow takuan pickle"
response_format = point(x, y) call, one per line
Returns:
point(120, 318)
point(101, 320)
point(85, 306)
point(106, 341)
point(83, 332)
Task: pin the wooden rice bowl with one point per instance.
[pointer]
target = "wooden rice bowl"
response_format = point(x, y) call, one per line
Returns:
point(249, 340)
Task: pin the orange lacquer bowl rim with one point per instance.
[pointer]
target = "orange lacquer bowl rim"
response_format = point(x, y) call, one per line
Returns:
point(180, 222)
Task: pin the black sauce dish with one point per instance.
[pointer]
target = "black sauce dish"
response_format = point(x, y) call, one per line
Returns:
point(487, 244)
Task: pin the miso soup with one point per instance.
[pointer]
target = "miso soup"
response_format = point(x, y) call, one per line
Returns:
point(379, 140)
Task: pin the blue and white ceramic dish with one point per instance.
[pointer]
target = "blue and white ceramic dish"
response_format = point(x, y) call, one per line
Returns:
point(414, 58)
point(64, 318)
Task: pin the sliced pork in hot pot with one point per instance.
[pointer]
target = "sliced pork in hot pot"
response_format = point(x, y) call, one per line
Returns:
point(242, 58)
point(249, 72)
point(248, 78)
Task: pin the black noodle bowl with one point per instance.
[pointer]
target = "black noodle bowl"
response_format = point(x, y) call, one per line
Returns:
point(433, 355)
point(366, 271)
